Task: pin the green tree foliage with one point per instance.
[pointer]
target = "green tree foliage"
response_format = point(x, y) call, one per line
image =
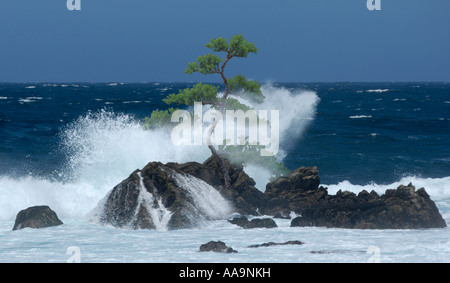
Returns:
point(159, 119)
point(248, 89)
point(206, 64)
point(205, 93)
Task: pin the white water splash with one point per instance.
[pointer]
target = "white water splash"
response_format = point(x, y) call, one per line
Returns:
point(104, 147)
point(159, 213)
point(206, 198)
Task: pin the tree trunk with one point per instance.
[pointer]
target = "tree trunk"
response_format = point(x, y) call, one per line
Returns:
point(226, 175)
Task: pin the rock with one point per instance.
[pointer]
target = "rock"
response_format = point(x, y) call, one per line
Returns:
point(36, 217)
point(294, 192)
point(277, 244)
point(161, 196)
point(245, 197)
point(176, 196)
point(241, 221)
point(254, 223)
point(167, 195)
point(330, 252)
point(303, 178)
point(216, 246)
point(172, 196)
point(402, 208)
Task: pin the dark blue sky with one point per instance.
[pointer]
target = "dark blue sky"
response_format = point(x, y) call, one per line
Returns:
point(298, 40)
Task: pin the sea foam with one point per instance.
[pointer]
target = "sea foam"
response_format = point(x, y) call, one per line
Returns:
point(103, 148)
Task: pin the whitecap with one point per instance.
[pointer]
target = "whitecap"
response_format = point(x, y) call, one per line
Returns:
point(377, 90)
point(24, 100)
point(360, 116)
point(31, 86)
point(29, 99)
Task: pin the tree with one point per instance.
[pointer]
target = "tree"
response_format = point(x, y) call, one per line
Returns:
point(210, 64)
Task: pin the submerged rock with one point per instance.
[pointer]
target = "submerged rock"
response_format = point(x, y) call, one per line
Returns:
point(36, 217)
point(269, 244)
point(402, 208)
point(216, 246)
point(254, 223)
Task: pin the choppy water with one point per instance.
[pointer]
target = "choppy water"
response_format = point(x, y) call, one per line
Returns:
point(67, 145)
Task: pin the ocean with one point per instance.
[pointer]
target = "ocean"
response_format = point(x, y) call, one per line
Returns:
point(66, 145)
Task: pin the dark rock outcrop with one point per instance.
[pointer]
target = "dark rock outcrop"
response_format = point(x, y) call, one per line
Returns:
point(269, 244)
point(36, 217)
point(169, 196)
point(254, 223)
point(245, 197)
point(160, 196)
point(294, 192)
point(216, 246)
point(402, 208)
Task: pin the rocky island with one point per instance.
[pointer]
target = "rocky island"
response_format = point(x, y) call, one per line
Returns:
point(173, 196)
